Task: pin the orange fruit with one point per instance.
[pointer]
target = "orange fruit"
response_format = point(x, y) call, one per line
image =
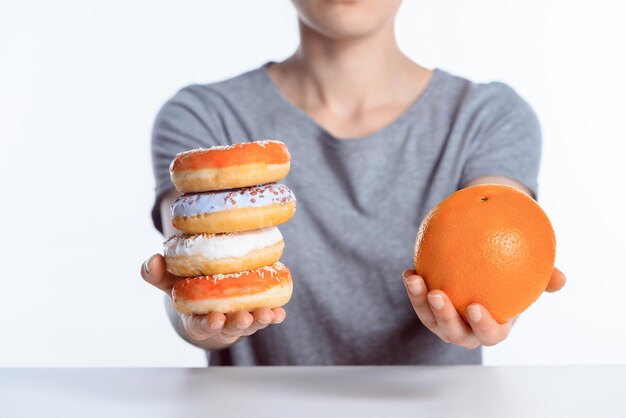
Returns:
point(487, 244)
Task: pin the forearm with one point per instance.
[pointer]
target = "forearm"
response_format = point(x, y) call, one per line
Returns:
point(176, 321)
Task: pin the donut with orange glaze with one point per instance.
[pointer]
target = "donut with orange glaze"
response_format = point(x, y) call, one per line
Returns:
point(229, 167)
point(269, 286)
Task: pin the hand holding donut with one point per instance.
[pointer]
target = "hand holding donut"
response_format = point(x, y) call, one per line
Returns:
point(229, 250)
point(222, 271)
point(214, 330)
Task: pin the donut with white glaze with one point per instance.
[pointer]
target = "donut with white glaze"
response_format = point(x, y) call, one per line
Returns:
point(235, 210)
point(269, 286)
point(229, 167)
point(207, 254)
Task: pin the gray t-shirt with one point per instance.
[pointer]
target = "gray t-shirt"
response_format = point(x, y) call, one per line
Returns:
point(360, 202)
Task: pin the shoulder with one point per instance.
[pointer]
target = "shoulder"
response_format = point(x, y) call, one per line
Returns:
point(207, 96)
point(485, 102)
point(201, 115)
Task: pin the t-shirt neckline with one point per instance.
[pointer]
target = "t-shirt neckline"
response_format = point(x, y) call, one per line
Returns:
point(409, 113)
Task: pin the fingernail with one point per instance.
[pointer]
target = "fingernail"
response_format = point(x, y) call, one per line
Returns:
point(436, 301)
point(241, 326)
point(474, 313)
point(415, 287)
point(263, 322)
point(146, 265)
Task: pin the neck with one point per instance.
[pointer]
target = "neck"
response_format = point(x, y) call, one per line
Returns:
point(347, 74)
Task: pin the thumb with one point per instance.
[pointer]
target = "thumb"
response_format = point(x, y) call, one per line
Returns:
point(557, 281)
point(154, 272)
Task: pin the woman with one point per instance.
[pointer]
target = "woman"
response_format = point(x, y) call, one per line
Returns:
point(376, 141)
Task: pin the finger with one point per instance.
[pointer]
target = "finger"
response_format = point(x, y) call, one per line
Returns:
point(197, 326)
point(557, 281)
point(154, 272)
point(216, 321)
point(486, 329)
point(408, 272)
point(262, 318)
point(417, 290)
point(236, 322)
point(279, 315)
point(450, 326)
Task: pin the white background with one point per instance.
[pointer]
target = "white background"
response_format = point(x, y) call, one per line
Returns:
point(80, 83)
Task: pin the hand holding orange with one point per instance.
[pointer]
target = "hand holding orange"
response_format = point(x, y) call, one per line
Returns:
point(487, 244)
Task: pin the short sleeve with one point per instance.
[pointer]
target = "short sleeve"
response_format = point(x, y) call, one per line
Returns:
point(186, 121)
point(508, 142)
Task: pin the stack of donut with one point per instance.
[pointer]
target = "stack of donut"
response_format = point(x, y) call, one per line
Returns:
point(227, 254)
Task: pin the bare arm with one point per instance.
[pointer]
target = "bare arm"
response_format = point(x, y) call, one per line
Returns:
point(213, 330)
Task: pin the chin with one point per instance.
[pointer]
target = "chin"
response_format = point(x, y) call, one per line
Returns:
point(344, 19)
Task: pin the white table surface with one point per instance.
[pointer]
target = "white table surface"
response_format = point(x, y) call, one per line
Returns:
point(418, 391)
